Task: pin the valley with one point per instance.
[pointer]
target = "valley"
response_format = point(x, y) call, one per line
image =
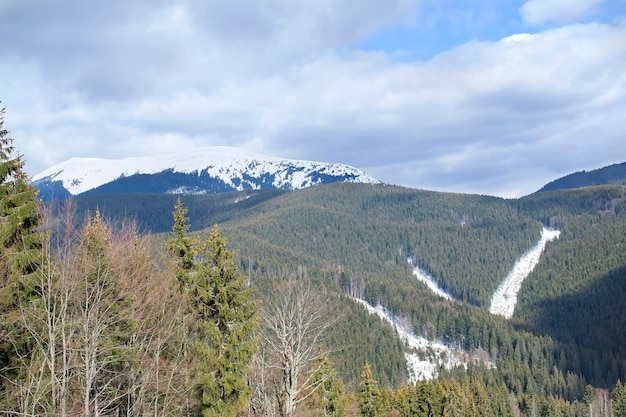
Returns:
point(313, 209)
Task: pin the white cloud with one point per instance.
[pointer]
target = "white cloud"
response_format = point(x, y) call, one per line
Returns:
point(498, 117)
point(538, 12)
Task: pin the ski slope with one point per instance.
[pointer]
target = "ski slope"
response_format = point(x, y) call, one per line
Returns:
point(427, 279)
point(424, 357)
point(504, 299)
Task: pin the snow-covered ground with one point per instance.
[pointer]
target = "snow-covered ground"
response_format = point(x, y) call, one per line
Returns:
point(425, 358)
point(427, 279)
point(504, 299)
point(229, 164)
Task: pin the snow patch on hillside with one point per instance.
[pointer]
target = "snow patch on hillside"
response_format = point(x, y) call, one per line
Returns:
point(427, 279)
point(425, 358)
point(231, 165)
point(504, 299)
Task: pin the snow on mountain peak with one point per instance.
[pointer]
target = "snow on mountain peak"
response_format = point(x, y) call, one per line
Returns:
point(230, 165)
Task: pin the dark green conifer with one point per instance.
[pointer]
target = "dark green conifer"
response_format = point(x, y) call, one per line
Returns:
point(369, 396)
point(225, 317)
point(429, 399)
point(20, 241)
point(454, 399)
point(588, 398)
point(329, 394)
point(181, 246)
point(20, 253)
point(619, 400)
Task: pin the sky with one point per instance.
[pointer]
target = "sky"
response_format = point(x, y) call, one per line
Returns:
point(474, 96)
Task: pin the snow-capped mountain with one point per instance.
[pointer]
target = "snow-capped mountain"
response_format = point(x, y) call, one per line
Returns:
point(197, 171)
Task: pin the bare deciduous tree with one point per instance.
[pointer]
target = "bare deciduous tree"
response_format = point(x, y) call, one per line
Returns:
point(294, 324)
point(107, 330)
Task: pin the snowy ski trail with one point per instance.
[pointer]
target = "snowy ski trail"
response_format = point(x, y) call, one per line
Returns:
point(504, 299)
point(426, 357)
point(427, 279)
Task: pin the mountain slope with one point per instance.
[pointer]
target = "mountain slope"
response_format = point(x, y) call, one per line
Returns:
point(355, 239)
point(198, 171)
point(358, 237)
point(577, 293)
point(613, 174)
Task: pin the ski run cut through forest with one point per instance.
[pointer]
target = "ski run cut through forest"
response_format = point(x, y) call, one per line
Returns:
point(429, 356)
point(505, 297)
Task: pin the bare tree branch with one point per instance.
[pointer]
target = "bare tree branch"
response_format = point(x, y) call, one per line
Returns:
point(294, 325)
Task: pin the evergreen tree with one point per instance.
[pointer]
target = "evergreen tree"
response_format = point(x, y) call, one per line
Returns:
point(402, 399)
point(483, 399)
point(501, 402)
point(619, 400)
point(588, 398)
point(20, 252)
point(20, 241)
point(429, 399)
point(454, 398)
point(182, 246)
point(225, 320)
point(369, 396)
point(329, 395)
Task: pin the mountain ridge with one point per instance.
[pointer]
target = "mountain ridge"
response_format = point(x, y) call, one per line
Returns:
point(611, 174)
point(203, 170)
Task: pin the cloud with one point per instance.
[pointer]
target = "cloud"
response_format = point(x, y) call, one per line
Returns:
point(538, 12)
point(117, 50)
point(498, 117)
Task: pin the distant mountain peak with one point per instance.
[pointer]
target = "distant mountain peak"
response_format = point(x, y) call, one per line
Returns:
point(202, 170)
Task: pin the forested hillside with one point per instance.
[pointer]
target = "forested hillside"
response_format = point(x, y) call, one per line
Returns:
point(304, 256)
point(578, 296)
point(613, 174)
point(153, 212)
point(354, 239)
point(468, 243)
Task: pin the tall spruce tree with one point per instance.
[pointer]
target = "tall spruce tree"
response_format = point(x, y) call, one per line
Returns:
point(223, 317)
point(182, 245)
point(328, 396)
point(227, 319)
point(20, 251)
point(369, 395)
point(20, 241)
point(588, 398)
point(619, 400)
